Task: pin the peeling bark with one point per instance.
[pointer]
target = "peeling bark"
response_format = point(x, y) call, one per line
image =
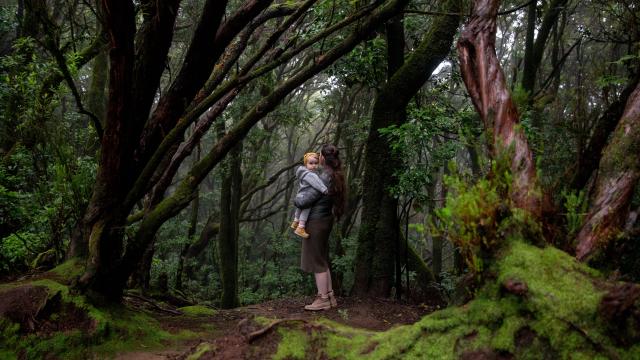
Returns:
point(618, 174)
point(489, 93)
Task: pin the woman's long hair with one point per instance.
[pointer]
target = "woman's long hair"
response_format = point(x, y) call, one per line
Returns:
point(338, 188)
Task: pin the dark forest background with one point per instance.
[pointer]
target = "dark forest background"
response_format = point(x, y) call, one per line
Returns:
point(156, 141)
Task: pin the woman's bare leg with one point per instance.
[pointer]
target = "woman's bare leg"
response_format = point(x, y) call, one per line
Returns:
point(321, 283)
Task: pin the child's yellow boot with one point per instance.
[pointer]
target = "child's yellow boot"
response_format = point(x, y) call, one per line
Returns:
point(301, 232)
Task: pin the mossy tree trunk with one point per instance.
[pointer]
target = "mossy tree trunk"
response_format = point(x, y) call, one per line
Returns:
point(486, 84)
point(196, 248)
point(191, 232)
point(230, 195)
point(378, 236)
point(618, 175)
point(589, 158)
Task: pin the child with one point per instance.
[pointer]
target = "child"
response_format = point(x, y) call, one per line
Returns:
point(309, 181)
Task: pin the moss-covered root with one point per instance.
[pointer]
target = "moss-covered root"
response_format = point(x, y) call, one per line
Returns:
point(542, 305)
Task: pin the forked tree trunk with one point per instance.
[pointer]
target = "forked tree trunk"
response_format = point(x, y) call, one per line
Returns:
point(489, 93)
point(618, 174)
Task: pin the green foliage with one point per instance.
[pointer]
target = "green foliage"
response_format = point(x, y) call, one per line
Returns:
point(576, 205)
point(274, 275)
point(345, 264)
point(366, 64)
point(479, 217)
point(418, 142)
point(17, 250)
point(48, 164)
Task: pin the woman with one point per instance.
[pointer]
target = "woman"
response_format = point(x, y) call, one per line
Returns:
point(315, 249)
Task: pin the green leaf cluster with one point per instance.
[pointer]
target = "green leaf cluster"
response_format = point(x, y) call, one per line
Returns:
point(480, 217)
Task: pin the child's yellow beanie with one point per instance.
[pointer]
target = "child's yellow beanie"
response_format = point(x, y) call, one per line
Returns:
point(306, 157)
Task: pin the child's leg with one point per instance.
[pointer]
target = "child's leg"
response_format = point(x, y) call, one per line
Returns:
point(302, 217)
point(296, 215)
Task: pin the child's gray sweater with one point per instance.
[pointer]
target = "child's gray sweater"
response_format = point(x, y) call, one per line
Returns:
point(309, 181)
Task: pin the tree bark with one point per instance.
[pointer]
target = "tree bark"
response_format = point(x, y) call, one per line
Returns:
point(104, 219)
point(589, 159)
point(487, 87)
point(230, 195)
point(96, 97)
point(208, 233)
point(191, 231)
point(378, 236)
point(618, 174)
point(141, 277)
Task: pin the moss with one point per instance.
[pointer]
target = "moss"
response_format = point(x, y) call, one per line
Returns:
point(197, 310)
point(442, 320)
point(398, 340)
point(438, 345)
point(346, 345)
point(262, 320)
point(107, 330)
point(69, 269)
point(557, 284)
point(504, 338)
point(9, 338)
point(555, 319)
point(202, 349)
point(293, 345)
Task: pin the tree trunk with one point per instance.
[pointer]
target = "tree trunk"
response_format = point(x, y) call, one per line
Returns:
point(209, 232)
point(487, 87)
point(589, 158)
point(191, 231)
point(96, 96)
point(618, 174)
point(141, 278)
point(104, 218)
point(534, 49)
point(378, 236)
point(230, 195)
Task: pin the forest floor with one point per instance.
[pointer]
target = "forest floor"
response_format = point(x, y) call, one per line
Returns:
point(233, 332)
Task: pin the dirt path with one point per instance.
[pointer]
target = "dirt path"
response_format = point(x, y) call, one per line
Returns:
point(227, 329)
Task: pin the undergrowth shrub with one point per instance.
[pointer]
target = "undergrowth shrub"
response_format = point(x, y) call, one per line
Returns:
point(479, 217)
